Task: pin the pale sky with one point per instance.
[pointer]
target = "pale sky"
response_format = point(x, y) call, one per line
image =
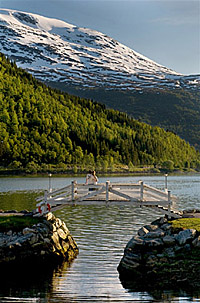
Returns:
point(166, 31)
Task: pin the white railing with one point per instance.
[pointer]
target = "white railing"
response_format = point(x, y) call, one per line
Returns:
point(77, 193)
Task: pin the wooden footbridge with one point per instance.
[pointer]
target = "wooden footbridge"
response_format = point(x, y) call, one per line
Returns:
point(136, 194)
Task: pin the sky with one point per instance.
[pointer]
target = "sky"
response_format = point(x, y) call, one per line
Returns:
point(166, 31)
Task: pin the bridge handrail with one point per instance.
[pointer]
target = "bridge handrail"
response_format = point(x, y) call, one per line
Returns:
point(57, 191)
point(150, 188)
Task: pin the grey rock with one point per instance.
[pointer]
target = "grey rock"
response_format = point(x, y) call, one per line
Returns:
point(169, 240)
point(135, 241)
point(154, 242)
point(133, 256)
point(169, 252)
point(158, 233)
point(28, 231)
point(166, 227)
point(151, 260)
point(21, 240)
point(187, 247)
point(151, 227)
point(33, 239)
point(185, 235)
point(142, 231)
point(159, 221)
point(48, 224)
point(47, 240)
point(130, 264)
point(196, 242)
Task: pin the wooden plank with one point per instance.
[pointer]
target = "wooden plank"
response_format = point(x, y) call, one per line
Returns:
point(92, 194)
point(125, 186)
point(154, 196)
point(116, 192)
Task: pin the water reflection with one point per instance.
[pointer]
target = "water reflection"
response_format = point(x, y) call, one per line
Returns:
point(26, 280)
point(167, 295)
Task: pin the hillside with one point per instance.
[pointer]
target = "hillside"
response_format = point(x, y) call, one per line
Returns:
point(175, 110)
point(90, 64)
point(41, 126)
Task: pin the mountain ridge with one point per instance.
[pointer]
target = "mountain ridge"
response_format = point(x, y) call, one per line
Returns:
point(55, 51)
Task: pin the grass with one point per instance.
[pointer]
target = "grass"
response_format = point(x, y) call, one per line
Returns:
point(17, 223)
point(186, 223)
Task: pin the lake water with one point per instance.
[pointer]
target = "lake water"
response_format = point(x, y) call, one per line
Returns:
point(101, 233)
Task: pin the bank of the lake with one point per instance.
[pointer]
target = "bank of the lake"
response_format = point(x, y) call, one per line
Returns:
point(77, 171)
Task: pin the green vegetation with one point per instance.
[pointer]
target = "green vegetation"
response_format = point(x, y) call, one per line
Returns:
point(41, 128)
point(176, 110)
point(17, 223)
point(186, 223)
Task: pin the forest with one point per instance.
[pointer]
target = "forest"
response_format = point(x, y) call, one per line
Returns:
point(43, 128)
point(176, 110)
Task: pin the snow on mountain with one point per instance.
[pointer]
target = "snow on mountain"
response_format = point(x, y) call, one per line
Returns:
point(53, 50)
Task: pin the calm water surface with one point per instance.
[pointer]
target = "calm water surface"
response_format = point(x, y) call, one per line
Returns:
point(101, 233)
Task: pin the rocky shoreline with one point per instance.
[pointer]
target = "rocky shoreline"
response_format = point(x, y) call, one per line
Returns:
point(48, 240)
point(162, 257)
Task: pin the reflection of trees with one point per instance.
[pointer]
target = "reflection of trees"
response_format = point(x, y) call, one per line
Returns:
point(163, 295)
point(31, 280)
point(58, 278)
point(19, 200)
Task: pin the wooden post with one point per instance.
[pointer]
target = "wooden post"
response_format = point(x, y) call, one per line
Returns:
point(73, 190)
point(50, 185)
point(44, 208)
point(166, 183)
point(141, 191)
point(107, 190)
point(169, 203)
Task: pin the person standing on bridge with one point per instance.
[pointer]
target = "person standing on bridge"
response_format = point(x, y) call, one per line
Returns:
point(91, 178)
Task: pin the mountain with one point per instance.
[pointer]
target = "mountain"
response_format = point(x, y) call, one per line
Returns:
point(55, 51)
point(41, 127)
point(89, 64)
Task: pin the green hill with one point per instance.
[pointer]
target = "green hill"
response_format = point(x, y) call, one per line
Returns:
point(177, 110)
point(40, 126)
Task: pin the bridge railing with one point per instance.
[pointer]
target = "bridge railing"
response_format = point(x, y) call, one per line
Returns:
point(78, 193)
